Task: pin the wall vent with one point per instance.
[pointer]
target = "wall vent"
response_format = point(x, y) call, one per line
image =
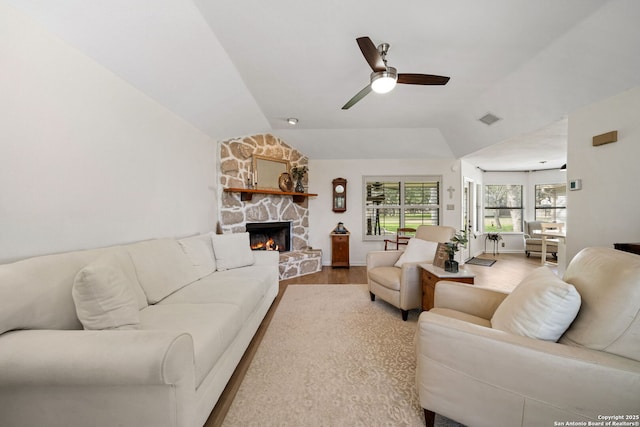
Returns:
point(489, 119)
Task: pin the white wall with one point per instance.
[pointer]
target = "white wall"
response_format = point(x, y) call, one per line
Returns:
point(607, 209)
point(87, 160)
point(323, 220)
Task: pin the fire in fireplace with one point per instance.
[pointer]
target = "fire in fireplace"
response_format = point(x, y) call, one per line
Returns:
point(270, 236)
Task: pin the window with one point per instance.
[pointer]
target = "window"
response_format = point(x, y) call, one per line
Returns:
point(551, 202)
point(399, 201)
point(502, 208)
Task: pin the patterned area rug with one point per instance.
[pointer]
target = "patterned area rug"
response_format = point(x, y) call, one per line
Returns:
point(331, 357)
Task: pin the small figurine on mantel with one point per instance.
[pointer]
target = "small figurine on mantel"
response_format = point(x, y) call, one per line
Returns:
point(340, 229)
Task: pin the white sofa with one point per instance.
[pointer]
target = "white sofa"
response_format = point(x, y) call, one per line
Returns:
point(485, 358)
point(157, 351)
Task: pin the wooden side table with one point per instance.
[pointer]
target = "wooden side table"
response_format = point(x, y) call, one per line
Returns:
point(432, 275)
point(340, 250)
point(634, 248)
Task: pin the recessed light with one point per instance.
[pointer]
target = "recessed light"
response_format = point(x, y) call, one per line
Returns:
point(292, 121)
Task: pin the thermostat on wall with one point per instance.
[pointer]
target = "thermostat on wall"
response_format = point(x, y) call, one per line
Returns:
point(575, 184)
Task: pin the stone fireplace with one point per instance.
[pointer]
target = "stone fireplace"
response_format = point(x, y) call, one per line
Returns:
point(235, 171)
point(270, 236)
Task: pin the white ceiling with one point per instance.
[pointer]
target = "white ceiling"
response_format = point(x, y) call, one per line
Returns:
point(233, 68)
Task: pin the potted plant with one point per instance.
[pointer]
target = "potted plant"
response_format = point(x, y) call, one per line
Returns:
point(453, 246)
point(297, 172)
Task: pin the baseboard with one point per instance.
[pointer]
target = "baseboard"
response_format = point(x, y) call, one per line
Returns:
point(507, 251)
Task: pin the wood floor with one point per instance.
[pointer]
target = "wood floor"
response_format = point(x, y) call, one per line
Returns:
point(505, 274)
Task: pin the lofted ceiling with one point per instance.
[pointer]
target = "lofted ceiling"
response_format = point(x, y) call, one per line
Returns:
point(233, 68)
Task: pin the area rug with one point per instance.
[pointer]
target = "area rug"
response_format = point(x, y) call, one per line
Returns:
point(481, 261)
point(332, 357)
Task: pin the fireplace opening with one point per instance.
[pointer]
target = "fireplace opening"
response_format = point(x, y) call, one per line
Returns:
point(270, 236)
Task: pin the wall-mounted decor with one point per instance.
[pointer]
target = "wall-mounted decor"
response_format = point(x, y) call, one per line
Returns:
point(605, 138)
point(339, 199)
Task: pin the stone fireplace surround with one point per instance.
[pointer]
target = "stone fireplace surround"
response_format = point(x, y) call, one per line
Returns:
point(235, 170)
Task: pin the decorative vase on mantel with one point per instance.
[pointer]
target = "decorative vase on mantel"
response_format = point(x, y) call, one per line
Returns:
point(297, 172)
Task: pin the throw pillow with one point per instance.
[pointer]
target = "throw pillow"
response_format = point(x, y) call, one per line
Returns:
point(418, 250)
point(162, 267)
point(542, 306)
point(199, 250)
point(232, 250)
point(103, 296)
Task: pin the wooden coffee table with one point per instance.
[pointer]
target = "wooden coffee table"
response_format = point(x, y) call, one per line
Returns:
point(432, 275)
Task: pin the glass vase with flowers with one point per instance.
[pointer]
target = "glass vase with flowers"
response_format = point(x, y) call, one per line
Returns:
point(298, 172)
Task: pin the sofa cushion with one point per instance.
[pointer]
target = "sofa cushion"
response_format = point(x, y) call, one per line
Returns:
point(455, 314)
point(232, 250)
point(162, 267)
point(552, 245)
point(121, 257)
point(199, 250)
point(103, 296)
point(435, 233)
point(609, 320)
point(243, 287)
point(389, 277)
point(418, 250)
point(542, 306)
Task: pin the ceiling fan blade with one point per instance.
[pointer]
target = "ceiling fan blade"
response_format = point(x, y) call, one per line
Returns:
point(422, 79)
point(371, 54)
point(364, 92)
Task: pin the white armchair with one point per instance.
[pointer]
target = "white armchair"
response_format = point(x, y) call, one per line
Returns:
point(473, 371)
point(533, 242)
point(400, 286)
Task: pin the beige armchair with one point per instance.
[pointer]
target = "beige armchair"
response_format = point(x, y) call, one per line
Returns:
point(401, 287)
point(533, 242)
point(479, 375)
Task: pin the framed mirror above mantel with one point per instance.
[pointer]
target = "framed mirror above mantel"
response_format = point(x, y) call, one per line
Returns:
point(267, 172)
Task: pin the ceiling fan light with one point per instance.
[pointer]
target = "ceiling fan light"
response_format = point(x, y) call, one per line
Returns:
point(384, 81)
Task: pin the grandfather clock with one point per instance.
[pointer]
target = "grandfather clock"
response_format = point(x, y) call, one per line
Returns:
point(339, 199)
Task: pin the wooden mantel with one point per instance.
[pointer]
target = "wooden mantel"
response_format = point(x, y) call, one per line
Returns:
point(247, 193)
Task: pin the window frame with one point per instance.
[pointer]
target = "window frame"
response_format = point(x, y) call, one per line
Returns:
point(536, 208)
point(402, 207)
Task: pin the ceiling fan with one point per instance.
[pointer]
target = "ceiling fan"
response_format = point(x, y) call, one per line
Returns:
point(383, 77)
